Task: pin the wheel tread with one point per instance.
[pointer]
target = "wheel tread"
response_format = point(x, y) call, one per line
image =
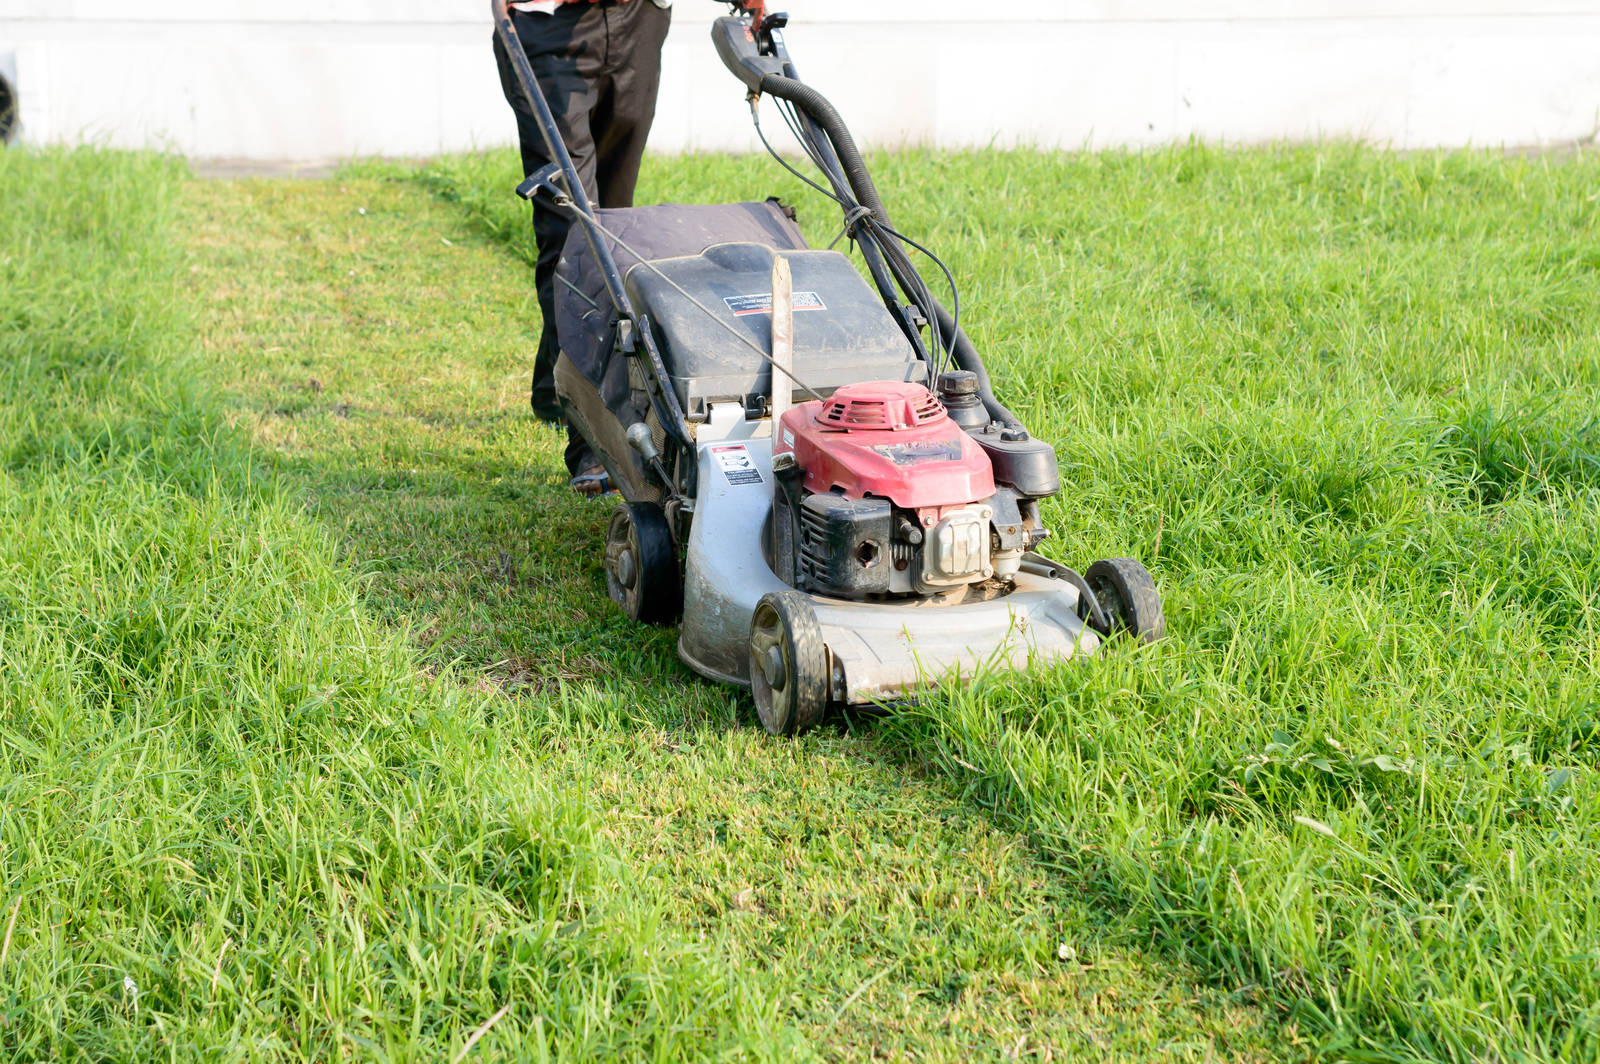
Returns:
point(657, 595)
point(805, 699)
point(1141, 615)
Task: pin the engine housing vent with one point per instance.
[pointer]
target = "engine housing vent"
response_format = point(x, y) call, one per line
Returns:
point(881, 406)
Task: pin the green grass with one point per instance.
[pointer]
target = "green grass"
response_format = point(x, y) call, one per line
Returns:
point(317, 726)
point(829, 871)
point(238, 821)
point(320, 742)
point(1345, 403)
point(1354, 398)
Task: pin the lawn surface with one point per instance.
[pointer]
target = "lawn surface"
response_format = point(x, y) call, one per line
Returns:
point(320, 738)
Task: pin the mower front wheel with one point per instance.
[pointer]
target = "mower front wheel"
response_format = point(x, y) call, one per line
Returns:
point(642, 565)
point(1128, 598)
point(788, 664)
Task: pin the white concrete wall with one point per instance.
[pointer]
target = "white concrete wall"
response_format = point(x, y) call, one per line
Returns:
point(327, 79)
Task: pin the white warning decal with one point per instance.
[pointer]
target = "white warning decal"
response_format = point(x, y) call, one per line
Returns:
point(762, 304)
point(736, 464)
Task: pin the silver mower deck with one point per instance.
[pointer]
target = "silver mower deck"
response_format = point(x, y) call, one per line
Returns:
point(878, 651)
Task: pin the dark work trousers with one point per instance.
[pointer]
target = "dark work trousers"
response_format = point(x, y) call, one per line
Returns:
point(598, 63)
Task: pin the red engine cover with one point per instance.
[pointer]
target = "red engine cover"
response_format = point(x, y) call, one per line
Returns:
point(888, 439)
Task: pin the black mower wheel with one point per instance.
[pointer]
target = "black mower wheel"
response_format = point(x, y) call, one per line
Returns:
point(788, 664)
point(1128, 598)
point(642, 565)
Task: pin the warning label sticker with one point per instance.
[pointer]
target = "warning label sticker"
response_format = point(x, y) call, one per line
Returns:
point(735, 462)
point(762, 304)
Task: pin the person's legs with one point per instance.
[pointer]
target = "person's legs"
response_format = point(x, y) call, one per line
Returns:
point(580, 459)
point(599, 67)
point(627, 104)
point(566, 51)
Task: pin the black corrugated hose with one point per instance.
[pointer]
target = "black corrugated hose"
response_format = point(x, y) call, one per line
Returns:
point(844, 145)
point(855, 171)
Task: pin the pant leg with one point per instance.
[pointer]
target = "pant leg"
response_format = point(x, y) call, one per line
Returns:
point(566, 51)
point(578, 456)
point(626, 109)
point(599, 67)
point(621, 119)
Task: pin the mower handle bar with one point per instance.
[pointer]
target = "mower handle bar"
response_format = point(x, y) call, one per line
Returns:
point(837, 136)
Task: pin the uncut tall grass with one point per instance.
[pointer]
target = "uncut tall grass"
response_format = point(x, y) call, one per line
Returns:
point(236, 819)
point(1344, 404)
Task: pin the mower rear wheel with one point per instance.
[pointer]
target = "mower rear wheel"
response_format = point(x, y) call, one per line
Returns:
point(1128, 598)
point(642, 564)
point(788, 664)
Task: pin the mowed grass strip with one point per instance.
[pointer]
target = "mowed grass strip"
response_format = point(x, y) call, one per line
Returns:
point(237, 820)
point(1344, 403)
point(887, 917)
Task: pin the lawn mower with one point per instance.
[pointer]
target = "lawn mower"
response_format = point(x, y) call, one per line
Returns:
point(815, 473)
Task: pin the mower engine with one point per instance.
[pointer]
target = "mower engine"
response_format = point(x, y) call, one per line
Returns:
point(881, 493)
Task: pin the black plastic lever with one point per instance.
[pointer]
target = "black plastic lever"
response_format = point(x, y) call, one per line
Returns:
point(543, 180)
